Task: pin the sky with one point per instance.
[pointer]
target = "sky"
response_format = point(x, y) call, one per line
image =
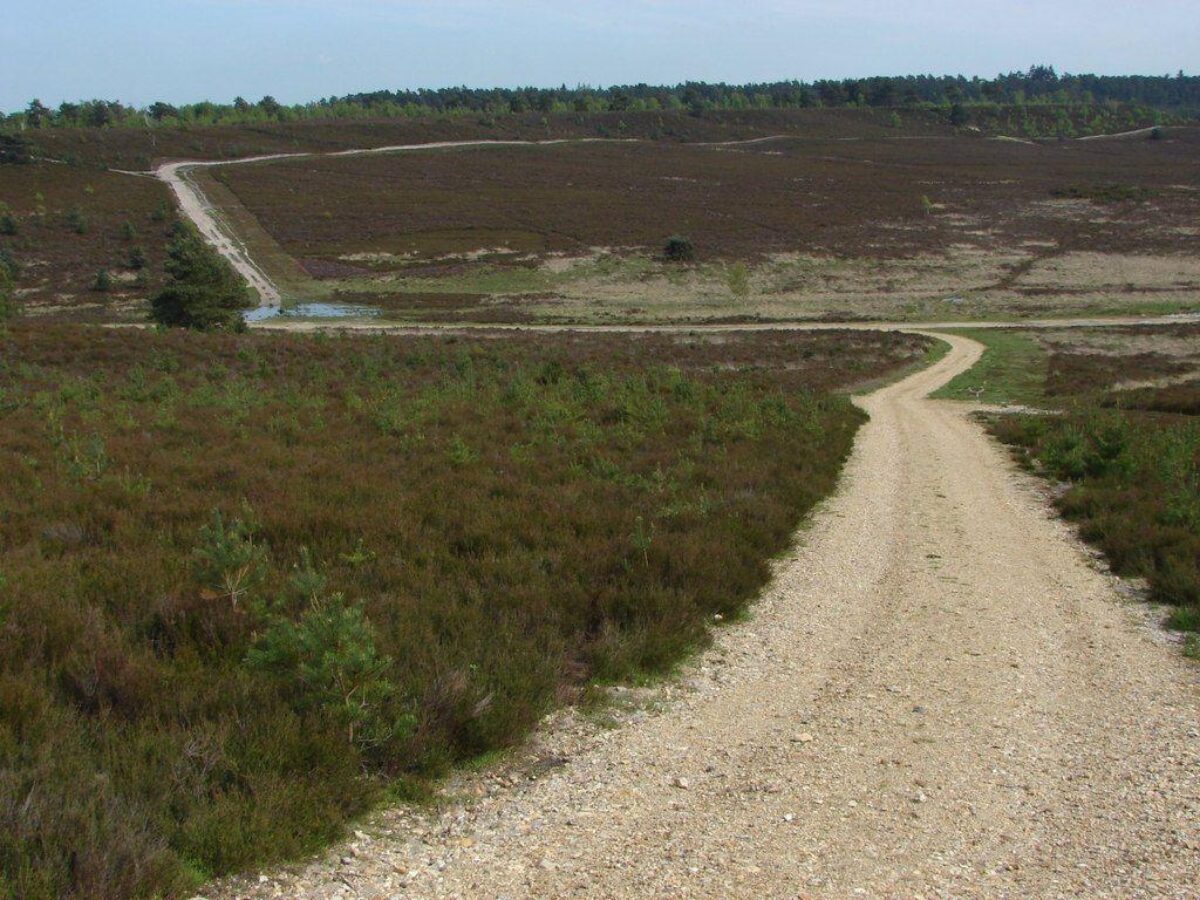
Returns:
point(179, 51)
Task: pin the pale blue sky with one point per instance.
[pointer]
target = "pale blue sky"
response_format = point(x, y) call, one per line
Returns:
point(138, 51)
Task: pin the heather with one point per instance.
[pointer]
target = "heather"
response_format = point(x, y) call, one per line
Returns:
point(251, 585)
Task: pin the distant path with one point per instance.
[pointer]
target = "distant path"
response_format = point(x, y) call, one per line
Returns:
point(196, 207)
point(938, 695)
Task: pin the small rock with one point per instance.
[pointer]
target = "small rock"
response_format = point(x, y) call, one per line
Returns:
point(789, 818)
point(681, 783)
point(802, 738)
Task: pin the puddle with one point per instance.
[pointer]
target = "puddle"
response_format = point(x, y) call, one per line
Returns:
point(312, 311)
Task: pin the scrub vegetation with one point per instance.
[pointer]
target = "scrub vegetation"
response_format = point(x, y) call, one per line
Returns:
point(252, 584)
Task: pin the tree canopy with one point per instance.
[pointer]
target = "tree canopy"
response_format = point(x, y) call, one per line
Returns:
point(204, 291)
point(1038, 85)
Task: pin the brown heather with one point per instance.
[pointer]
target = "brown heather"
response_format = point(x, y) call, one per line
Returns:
point(517, 516)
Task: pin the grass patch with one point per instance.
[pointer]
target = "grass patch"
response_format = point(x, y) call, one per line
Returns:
point(1012, 370)
point(254, 584)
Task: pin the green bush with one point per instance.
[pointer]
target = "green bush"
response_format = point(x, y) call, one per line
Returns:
point(6, 292)
point(77, 221)
point(228, 562)
point(327, 661)
point(203, 291)
point(679, 249)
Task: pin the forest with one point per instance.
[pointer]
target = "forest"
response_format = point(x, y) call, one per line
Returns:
point(1039, 85)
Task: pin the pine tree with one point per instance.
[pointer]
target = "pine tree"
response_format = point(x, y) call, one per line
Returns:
point(204, 292)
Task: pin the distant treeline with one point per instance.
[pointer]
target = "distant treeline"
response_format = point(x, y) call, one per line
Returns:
point(1040, 85)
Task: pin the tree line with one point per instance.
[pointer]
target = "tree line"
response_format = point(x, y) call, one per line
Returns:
point(1177, 93)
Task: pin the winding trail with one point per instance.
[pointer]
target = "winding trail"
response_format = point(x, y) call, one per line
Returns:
point(940, 694)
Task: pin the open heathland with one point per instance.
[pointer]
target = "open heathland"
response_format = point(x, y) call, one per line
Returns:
point(253, 582)
point(949, 226)
point(64, 225)
point(852, 214)
point(832, 196)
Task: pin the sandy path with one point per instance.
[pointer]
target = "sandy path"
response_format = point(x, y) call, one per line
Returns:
point(938, 695)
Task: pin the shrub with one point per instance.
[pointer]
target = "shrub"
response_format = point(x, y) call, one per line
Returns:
point(8, 265)
point(137, 258)
point(128, 232)
point(15, 149)
point(737, 279)
point(102, 282)
point(328, 661)
point(679, 249)
point(77, 221)
point(6, 291)
point(8, 224)
point(228, 562)
point(203, 292)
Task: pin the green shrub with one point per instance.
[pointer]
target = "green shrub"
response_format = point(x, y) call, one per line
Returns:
point(8, 224)
point(679, 249)
point(228, 562)
point(327, 661)
point(102, 282)
point(6, 292)
point(77, 221)
point(203, 291)
point(737, 279)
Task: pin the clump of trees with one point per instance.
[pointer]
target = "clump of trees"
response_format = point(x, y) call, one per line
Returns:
point(203, 290)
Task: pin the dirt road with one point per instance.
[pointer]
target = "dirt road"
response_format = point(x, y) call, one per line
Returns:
point(938, 695)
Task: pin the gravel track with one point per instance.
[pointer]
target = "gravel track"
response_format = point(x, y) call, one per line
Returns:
point(940, 694)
